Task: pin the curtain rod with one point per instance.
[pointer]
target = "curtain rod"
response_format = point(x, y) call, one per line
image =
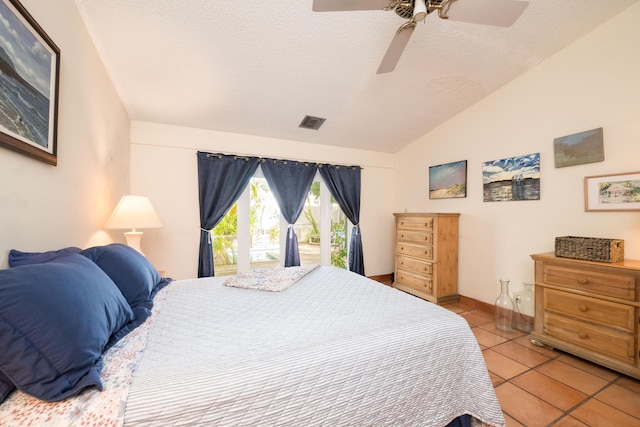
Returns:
point(264, 159)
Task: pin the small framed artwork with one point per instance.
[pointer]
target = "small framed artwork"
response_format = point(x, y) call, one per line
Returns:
point(615, 192)
point(514, 178)
point(448, 181)
point(30, 65)
point(579, 148)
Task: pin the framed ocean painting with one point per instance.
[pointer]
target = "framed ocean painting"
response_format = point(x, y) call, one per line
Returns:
point(513, 178)
point(448, 181)
point(30, 66)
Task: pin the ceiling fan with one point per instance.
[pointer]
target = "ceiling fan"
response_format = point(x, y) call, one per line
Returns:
point(500, 13)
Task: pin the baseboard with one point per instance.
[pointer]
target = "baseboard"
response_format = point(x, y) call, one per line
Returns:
point(488, 308)
point(476, 305)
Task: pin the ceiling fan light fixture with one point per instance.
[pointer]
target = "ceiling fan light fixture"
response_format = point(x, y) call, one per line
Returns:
point(419, 10)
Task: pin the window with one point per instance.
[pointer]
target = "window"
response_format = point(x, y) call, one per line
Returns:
point(252, 234)
point(308, 227)
point(264, 225)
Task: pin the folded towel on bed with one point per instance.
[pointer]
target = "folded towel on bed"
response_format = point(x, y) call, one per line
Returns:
point(269, 279)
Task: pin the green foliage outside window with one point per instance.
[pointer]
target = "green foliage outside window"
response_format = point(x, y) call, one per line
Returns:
point(339, 244)
point(224, 235)
point(314, 192)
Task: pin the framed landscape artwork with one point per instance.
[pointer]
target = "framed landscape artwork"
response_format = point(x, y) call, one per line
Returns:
point(579, 148)
point(616, 192)
point(514, 178)
point(448, 181)
point(29, 69)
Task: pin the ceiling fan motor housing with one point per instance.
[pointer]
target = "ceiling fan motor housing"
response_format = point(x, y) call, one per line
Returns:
point(404, 9)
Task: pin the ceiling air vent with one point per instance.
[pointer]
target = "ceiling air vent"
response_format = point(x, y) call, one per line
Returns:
point(310, 122)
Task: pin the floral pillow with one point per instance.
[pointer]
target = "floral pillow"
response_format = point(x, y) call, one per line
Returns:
point(270, 279)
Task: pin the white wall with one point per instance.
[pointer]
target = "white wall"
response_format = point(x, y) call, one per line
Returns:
point(164, 168)
point(45, 207)
point(593, 83)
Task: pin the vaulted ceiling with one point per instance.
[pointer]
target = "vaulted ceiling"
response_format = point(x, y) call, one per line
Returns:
point(258, 68)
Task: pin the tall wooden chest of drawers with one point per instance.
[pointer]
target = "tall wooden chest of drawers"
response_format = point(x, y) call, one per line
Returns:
point(426, 255)
point(589, 309)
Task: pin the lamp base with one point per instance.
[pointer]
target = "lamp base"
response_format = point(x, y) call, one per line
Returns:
point(133, 240)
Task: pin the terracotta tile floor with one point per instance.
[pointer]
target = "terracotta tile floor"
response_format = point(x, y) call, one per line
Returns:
point(538, 386)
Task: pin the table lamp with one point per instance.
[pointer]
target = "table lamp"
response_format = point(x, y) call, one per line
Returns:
point(134, 212)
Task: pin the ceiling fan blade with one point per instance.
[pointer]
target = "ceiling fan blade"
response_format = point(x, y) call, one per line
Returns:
point(499, 13)
point(342, 5)
point(394, 52)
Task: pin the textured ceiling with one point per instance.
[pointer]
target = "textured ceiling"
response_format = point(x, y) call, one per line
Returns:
point(258, 68)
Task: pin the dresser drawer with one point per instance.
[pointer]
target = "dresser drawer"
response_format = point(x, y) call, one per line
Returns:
point(412, 236)
point(607, 342)
point(416, 281)
point(414, 265)
point(415, 223)
point(600, 312)
point(609, 284)
point(423, 252)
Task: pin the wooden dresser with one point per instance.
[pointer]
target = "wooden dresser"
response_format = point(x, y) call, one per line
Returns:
point(426, 257)
point(589, 309)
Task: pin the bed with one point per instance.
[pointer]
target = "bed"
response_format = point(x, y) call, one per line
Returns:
point(301, 346)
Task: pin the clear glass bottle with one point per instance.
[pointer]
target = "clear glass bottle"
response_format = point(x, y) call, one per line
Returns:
point(524, 308)
point(505, 308)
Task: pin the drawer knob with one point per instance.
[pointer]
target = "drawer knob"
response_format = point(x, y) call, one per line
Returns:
point(582, 335)
point(582, 308)
point(583, 281)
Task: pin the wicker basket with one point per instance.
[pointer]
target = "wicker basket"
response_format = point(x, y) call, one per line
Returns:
point(590, 248)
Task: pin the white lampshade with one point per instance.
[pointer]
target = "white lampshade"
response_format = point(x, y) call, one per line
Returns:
point(134, 212)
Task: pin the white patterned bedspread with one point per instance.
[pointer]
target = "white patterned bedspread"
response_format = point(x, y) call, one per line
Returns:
point(334, 349)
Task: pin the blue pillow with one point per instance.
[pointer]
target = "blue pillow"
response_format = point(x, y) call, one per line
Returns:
point(18, 258)
point(129, 269)
point(56, 318)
